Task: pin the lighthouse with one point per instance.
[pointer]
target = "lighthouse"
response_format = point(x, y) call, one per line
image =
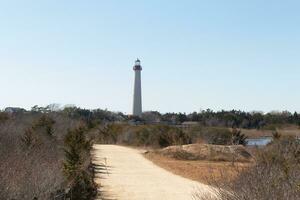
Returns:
point(137, 94)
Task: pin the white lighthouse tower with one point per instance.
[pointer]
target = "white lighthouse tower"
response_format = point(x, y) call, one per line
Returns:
point(137, 95)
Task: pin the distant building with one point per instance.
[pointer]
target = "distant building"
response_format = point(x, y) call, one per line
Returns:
point(14, 110)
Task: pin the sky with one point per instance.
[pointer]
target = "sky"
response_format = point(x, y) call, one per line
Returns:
point(195, 54)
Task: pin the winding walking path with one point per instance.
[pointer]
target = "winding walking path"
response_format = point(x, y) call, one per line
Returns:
point(124, 174)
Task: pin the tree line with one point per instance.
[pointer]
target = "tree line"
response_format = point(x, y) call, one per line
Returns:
point(231, 119)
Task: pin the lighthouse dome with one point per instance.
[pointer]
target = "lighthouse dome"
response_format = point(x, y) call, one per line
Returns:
point(137, 65)
point(137, 62)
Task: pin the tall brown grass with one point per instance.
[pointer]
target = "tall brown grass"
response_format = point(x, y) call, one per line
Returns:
point(275, 175)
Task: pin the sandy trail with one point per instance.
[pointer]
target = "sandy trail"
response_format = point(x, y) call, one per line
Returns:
point(124, 174)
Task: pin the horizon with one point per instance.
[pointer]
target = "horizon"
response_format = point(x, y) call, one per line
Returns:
point(60, 107)
point(195, 55)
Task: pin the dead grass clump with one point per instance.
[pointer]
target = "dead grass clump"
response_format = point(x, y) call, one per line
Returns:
point(236, 153)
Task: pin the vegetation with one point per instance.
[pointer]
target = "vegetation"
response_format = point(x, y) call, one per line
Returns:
point(45, 122)
point(276, 135)
point(206, 152)
point(45, 152)
point(144, 135)
point(37, 150)
point(238, 138)
point(199, 170)
point(31, 159)
point(3, 117)
point(275, 175)
point(211, 135)
point(231, 119)
point(76, 165)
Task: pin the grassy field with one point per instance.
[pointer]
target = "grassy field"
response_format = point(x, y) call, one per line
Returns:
point(286, 130)
point(202, 171)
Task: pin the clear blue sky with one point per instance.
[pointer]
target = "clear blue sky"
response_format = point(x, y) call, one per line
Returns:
point(233, 54)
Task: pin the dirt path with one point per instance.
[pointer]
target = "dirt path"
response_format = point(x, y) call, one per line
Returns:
point(124, 174)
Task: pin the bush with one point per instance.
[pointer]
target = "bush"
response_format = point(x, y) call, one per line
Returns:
point(145, 135)
point(30, 163)
point(32, 155)
point(168, 136)
point(238, 138)
point(75, 168)
point(108, 134)
point(3, 117)
point(212, 135)
point(276, 135)
point(207, 152)
point(76, 139)
point(275, 175)
point(82, 187)
point(161, 136)
point(45, 122)
point(29, 138)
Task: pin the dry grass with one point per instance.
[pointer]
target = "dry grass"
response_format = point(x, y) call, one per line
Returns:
point(275, 175)
point(208, 152)
point(202, 171)
point(287, 130)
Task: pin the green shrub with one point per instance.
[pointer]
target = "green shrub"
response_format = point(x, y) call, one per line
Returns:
point(77, 139)
point(82, 187)
point(73, 162)
point(77, 149)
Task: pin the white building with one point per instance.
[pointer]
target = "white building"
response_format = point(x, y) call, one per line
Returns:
point(137, 95)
